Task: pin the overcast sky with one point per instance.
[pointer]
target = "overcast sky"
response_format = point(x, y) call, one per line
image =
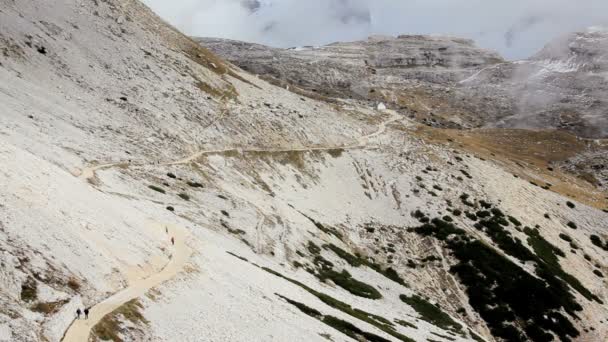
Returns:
point(515, 28)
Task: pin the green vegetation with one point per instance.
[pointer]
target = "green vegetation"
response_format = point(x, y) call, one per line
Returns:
point(356, 261)
point(597, 241)
point(565, 237)
point(375, 320)
point(464, 172)
point(495, 284)
point(313, 248)
point(184, 196)
point(336, 152)
point(431, 313)
point(195, 184)
point(465, 200)
point(326, 230)
point(598, 273)
point(29, 290)
point(476, 337)
point(570, 205)
point(350, 284)
point(157, 189)
point(405, 324)
point(456, 212)
point(109, 328)
point(350, 330)
point(514, 221)
point(572, 225)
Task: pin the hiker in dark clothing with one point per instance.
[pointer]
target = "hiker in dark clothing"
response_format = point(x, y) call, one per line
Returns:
point(172, 241)
point(78, 312)
point(86, 313)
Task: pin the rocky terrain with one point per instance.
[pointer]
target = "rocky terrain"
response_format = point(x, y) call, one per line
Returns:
point(294, 215)
point(448, 82)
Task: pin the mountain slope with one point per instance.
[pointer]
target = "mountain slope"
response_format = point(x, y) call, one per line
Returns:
point(448, 82)
point(307, 220)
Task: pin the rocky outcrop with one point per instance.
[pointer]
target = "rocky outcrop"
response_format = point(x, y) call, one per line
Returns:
point(448, 82)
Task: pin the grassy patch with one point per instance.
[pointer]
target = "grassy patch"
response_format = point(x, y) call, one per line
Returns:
point(431, 313)
point(350, 284)
point(109, 328)
point(49, 308)
point(356, 261)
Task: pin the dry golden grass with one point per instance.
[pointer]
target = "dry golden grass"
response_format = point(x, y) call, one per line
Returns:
point(527, 154)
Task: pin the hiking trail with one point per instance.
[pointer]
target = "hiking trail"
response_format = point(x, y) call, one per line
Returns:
point(362, 142)
point(80, 329)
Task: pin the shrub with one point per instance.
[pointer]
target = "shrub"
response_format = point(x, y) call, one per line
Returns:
point(431, 313)
point(565, 237)
point(437, 187)
point(225, 213)
point(570, 205)
point(547, 216)
point(596, 241)
point(598, 273)
point(313, 248)
point(350, 284)
point(157, 189)
point(73, 284)
point(184, 196)
point(29, 290)
point(447, 218)
point(572, 225)
point(456, 212)
point(514, 221)
point(170, 208)
point(195, 184)
point(171, 175)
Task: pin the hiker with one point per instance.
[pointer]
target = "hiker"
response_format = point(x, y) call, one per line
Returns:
point(86, 313)
point(78, 312)
point(172, 241)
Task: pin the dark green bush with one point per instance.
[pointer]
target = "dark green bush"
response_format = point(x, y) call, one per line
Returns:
point(572, 225)
point(350, 284)
point(570, 205)
point(157, 189)
point(431, 313)
point(565, 237)
point(184, 196)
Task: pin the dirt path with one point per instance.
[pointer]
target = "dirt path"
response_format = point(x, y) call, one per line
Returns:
point(80, 329)
point(362, 142)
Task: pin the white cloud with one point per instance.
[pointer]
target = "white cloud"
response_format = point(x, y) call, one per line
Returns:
point(515, 28)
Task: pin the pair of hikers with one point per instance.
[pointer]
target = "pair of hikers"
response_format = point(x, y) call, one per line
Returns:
point(79, 312)
point(172, 238)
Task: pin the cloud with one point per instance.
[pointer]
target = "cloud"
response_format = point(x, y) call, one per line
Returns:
point(516, 28)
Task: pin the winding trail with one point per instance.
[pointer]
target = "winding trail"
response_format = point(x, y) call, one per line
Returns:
point(80, 329)
point(362, 142)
